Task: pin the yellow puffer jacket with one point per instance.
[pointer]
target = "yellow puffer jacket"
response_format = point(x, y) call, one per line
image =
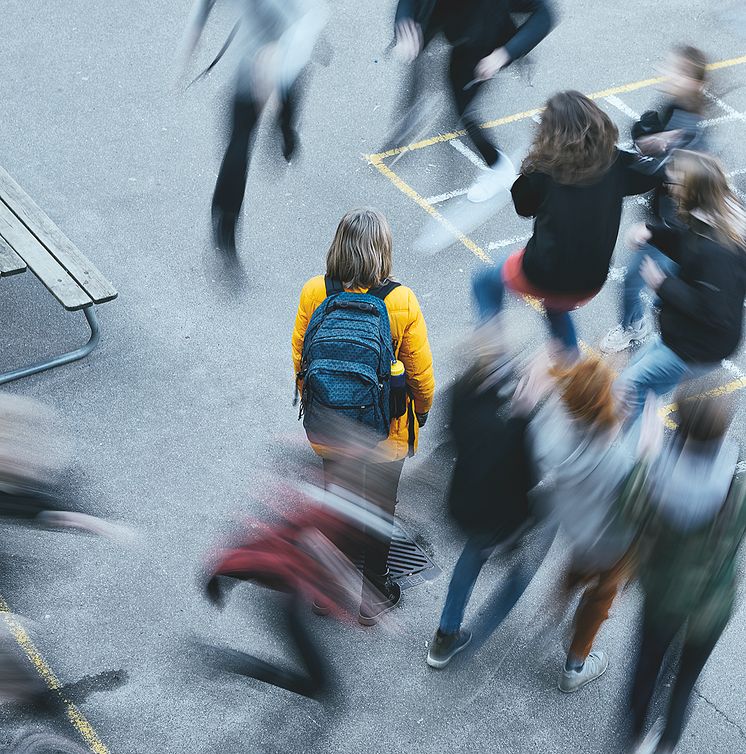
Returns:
point(411, 346)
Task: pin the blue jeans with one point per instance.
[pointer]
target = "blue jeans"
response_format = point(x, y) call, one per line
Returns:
point(488, 289)
point(633, 283)
point(477, 550)
point(659, 369)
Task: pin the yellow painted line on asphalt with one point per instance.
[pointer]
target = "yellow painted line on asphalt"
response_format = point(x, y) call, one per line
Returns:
point(622, 89)
point(74, 715)
point(407, 190)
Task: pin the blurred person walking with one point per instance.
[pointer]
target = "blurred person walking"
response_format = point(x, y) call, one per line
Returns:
point(275, 39)
point(572, 183)
point(483, 39)
point(365, 374)
point(696, 511)
point(585, 462)
point(678, 125)
point(488, 495)
point(701, 315)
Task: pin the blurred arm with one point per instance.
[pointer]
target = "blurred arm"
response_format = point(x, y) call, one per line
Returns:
point(538, 25)
point(669, 240)
point(641, 174)
point(528, 194)
point(417, 358)
point(302, 318)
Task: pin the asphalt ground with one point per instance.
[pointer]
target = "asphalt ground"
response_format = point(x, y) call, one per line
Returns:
point(183, 416)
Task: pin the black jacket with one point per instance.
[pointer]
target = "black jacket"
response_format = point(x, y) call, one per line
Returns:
point(484, 25)
point(701, 313)
point(576, 227)
point(493, 473)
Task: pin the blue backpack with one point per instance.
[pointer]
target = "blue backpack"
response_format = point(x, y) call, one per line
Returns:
point(346, 365)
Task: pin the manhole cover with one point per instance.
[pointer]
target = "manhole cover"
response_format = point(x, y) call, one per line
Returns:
point(408, 563)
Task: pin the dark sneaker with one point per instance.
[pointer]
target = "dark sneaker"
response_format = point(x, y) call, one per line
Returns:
point(224, 231)
point(372, 608)
point(444, 647)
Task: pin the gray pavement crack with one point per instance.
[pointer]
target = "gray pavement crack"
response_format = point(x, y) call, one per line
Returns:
point(721, 713)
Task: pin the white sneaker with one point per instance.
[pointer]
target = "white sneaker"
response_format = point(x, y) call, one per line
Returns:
point(594, 667)
point(620, 338)
point(493, 180)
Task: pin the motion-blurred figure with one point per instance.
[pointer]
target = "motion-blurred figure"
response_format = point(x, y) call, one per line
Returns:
point(573, 182)
point(585, 462)
point(701, 315)
point(296, 555)
point(364, 370)
point(33, 453)
point(679, 125)
point(275, 40)
point(484, 39)
point(489, 493)
point(696, 508)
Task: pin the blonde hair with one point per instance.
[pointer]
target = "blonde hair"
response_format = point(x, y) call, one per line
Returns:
point(707, 197)
point(586, 389)
point(360, 254)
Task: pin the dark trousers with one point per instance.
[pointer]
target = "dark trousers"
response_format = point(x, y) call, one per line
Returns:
point(309, 683)
point(376, 483)
point(231, 184)
point(656, 640)
point(463, 61)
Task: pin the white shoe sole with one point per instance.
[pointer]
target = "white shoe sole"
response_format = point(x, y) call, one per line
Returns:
point(584, 684)
point(618, 349)
point(437, 664)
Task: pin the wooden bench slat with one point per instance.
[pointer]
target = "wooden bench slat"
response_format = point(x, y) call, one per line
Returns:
point(51, 273)
point(59, 246)
point(10, 262)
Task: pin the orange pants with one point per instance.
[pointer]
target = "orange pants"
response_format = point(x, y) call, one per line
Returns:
point(601, 589)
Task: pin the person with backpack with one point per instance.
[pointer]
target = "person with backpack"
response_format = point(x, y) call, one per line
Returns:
point(695, 507)
point(572, 182)
point(678, 125)
point(484, 39)
point(701, 315)
point(364, 371)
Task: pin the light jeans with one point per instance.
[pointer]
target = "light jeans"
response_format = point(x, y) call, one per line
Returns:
point(633, 310)
point(659, 369)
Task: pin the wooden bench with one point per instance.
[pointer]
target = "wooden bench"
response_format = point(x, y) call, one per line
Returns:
point(29, 240)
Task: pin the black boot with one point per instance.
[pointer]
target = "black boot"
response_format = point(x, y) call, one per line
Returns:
point(386, 596)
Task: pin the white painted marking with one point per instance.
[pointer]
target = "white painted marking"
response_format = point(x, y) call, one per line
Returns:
point(623, 107)
point(440, 198)
point(725, 106)
point(729, 366)
point(740, 171)
point(740, 467)
point(722, 119)
point(616, 274)
point(473, 157)
point(507, 242)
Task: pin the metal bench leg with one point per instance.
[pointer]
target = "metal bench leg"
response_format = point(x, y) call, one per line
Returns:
point(65, 358)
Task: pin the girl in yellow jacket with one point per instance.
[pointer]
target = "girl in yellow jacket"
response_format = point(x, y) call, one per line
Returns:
point(360, 259)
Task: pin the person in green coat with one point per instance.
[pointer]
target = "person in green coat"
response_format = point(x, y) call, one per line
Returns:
point(688, 561)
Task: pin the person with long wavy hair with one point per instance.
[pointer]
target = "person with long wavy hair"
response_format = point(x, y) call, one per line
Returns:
point(701, 315)
point(572, 183)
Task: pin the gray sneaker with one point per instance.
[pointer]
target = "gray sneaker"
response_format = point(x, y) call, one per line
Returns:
point(594, 667)
point(620, 338)
point(444, 647)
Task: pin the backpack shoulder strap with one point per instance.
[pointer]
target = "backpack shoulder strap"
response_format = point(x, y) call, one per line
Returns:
point(332, 285)
point(383, 290)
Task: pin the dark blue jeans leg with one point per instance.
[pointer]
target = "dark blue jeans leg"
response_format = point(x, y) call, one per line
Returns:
point(563, 329)
point(488, 290)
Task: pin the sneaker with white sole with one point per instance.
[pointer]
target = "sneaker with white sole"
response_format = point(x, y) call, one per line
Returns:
point(620, 338)
point(493, 180)
point(594, 667)
point(444, 647)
